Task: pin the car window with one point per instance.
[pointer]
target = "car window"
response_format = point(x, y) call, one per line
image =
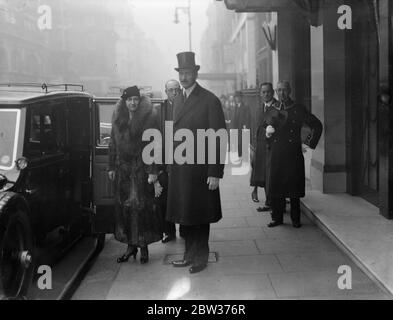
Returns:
point(46, 132)
point(33, 139)
point(105, 112)
point(78, 123)
point(9, 134)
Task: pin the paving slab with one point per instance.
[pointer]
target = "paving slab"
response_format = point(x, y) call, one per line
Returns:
point(313, 261)
point(230, 222)
point(319, 284)
point(229, 234)
point(234, 248)
point(253, 261)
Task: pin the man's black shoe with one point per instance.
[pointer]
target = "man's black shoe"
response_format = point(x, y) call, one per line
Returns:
point(168, 238)
point(198, 268)
point(264, 209)
point(296, 225)
point(181, 263)
point(275, 224)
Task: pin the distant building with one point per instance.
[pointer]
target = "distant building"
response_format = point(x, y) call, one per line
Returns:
point(92, 42)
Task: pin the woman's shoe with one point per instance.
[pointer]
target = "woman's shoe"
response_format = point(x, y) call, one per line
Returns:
point(144, 255)
point(254, 196)
point(125, 257)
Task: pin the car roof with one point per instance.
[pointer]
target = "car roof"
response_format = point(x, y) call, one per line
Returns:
point(115, 99)
point(19, 96)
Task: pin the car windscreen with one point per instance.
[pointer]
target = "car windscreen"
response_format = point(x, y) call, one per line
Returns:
point(9, 132)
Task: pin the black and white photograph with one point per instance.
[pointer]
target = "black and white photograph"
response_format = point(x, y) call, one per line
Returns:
point(196, 155)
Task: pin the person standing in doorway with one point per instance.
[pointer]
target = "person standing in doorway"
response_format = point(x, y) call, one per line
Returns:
point(260, 165)
point(193, 194)
point(286, 177)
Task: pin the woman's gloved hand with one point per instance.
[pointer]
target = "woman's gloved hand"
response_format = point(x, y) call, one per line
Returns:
point(158, 189)
point(152, 178)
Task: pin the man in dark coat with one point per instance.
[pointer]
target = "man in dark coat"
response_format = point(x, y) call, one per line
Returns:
point(286, 177)
point(172, 89)
point(259, 161)
point(241, 120)
point(193, 194)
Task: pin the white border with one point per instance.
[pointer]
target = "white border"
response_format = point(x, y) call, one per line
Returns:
point(18, 112)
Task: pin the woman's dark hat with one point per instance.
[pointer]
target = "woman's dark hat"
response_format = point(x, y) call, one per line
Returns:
point(131, 92)
point(186, 60)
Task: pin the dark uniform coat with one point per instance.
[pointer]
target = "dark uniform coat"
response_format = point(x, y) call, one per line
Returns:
point(259, 159)
point(190, 202)
point(286, 178)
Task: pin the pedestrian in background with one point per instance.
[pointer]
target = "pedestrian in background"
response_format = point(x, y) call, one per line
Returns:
point(286, 177)
point(228, 116)
point(138, 222)
point(231, 121)
point(241, 120)
point(172, 89)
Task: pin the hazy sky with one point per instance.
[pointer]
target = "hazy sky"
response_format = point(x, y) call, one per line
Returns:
point(156, 19)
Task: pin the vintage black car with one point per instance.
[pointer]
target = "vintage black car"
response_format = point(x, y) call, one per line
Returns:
point(53, 174)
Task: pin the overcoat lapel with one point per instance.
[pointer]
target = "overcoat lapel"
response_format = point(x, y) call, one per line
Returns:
point(185, 107)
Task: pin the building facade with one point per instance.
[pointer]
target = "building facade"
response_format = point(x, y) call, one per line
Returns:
point(338, 57)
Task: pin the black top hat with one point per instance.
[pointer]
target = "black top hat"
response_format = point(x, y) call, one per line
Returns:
point(186, 60)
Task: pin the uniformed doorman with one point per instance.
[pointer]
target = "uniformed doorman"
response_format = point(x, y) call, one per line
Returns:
point(286, 177)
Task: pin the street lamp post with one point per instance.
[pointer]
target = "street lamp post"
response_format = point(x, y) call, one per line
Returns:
point(186, 10)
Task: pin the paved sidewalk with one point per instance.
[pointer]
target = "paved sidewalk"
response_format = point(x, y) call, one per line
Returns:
point(254, 262)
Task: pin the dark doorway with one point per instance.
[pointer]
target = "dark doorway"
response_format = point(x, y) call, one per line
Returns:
point(364, 84)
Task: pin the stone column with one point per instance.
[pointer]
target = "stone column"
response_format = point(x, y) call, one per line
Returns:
point(328, 165)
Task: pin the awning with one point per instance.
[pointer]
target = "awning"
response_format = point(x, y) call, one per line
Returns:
point(309, 8)
point(259, 5)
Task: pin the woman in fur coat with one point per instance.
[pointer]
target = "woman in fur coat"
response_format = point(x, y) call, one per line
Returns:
point(138, 221)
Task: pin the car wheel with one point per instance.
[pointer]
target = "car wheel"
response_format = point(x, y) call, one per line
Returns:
point(16, 256)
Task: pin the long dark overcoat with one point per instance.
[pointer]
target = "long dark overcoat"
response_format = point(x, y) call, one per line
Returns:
point(286, 177)
point(259, 162)
point(190, 202)
point(137, 219)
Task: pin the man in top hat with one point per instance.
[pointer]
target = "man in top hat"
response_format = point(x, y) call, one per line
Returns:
point(193, 192)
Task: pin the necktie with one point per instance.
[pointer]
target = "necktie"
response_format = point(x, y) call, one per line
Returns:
point(184, 95)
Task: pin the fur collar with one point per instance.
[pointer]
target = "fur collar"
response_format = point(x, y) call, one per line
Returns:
point(140, 120)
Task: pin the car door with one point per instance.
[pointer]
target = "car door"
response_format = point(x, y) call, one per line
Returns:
point(103, 188)
point(44, 147)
